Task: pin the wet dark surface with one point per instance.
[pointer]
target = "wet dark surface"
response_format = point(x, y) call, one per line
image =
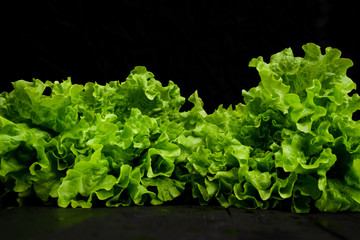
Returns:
point(173, 222)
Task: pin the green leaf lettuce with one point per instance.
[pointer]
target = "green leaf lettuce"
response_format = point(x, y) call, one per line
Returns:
point(292, 144)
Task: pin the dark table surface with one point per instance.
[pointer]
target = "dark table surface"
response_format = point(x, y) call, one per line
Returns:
point(173, 222)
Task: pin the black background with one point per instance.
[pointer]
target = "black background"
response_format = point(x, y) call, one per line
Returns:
point(200, 45)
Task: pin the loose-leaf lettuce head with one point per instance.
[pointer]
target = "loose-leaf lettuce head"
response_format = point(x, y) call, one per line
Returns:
point(72, 143)
point(302, 113)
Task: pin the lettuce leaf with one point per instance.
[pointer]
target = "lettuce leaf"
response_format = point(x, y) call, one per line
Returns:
point(292, 144)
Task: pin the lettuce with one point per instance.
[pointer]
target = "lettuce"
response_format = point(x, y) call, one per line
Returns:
point(292, 144)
